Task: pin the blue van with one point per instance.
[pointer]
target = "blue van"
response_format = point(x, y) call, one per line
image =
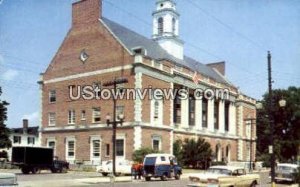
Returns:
point(161, 165)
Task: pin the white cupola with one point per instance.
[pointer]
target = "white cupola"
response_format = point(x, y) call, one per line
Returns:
point(166, 27)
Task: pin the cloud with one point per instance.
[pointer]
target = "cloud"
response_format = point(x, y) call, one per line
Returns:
point(33, 117)
point(10, 74)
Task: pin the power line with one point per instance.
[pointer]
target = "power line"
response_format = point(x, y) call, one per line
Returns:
point(227, 26)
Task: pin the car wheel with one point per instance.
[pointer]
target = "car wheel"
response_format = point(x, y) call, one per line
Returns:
point(253, 184)
point(25, 170)
point(105, 174)
point(147, 178)
point(164, 177)
point(34, 170)
point(118, 174)
point(177, 176)
point(53, 170)
point(64, 169)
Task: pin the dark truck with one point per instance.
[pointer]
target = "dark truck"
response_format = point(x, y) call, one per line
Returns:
point(34, 159)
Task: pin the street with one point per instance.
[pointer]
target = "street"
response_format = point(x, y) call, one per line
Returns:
point(73, 178)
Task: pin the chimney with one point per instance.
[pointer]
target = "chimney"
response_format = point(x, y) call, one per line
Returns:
point(25, 126)
point(86, 12)
point(219, 66)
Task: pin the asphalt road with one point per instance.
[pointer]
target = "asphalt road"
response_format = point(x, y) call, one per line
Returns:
point(47, 179)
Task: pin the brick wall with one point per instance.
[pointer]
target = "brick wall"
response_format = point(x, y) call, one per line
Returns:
point(83, 142)
point(147, 138)
point(155, 83)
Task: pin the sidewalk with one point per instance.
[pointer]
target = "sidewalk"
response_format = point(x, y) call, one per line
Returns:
point(95, 180)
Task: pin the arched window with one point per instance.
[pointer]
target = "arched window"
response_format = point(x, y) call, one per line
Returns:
point(160, 25)
point(174, 25)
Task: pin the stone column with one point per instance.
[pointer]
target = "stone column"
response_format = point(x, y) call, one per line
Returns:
point(221, 116)
point(185, 113)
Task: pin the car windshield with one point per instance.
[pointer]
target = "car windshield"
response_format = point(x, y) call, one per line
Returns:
point(219, 171)
point(150, 160)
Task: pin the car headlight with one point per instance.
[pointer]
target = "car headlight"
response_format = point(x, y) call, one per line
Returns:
point(194, 179)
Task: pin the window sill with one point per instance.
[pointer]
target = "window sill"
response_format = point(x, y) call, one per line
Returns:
point(71, 124)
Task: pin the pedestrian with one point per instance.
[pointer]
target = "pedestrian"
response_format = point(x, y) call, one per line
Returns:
point(137, 170)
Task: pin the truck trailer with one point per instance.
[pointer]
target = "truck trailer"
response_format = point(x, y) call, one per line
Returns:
point(34, 159)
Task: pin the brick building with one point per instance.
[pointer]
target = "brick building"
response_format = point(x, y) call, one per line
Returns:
point(97, 50)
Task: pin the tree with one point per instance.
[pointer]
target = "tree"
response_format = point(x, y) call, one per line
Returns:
point(286, 125)
point(139, 155)
point(4, 131)
point(196, 151)
point(177, 151)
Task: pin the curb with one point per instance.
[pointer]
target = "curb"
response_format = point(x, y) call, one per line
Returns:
point(95, 180)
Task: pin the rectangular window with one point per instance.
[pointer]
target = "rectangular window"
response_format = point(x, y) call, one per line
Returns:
point(30, 140)
point(191, 111)
point(156, 144)
point(177, 110)
point(51, 144)
point(96, 115)
point(96, 148)
point(156, 110)
point(17, 139)
point(120, 147)
point(83, 115)
point(52, 119)
point(71, 118)
point(107, 150)
point(119, 110)
point(227, 116)
point(216, 114)
point(204, 113)
point(52, 96)
point(71, 149)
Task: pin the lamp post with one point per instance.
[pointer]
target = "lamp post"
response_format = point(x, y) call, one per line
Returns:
point(114, 122)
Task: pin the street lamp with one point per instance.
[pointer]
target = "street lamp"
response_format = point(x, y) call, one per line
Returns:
point(120, 117)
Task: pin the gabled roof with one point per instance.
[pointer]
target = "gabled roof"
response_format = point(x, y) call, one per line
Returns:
point(132, 40)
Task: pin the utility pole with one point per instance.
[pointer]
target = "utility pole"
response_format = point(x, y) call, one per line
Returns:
point(114, 123)
point(271, 148)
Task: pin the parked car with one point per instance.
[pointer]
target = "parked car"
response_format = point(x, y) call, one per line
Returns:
point(122, 167)
point(225, 176)
point(161, 165)
point(286, 172)
point(8, 179)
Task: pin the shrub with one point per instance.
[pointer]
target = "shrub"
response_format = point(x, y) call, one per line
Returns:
point(139, 155)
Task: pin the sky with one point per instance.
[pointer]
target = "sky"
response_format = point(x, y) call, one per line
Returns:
point(237, 32)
